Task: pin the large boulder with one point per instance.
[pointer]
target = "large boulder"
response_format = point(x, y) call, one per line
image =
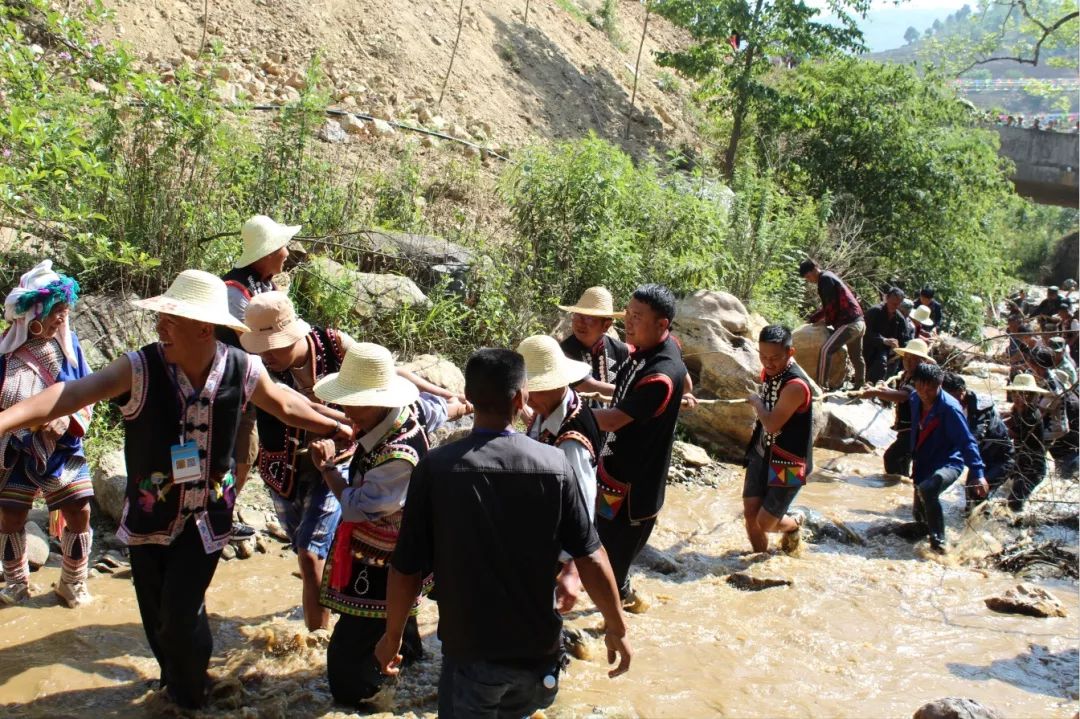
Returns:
point(110, 485)
point(374, 293)
point(952, 353)
point(955, 708)
point(109, 326)
point(855, 426)
point(438, 371)
point(808, 341)
point(713, 328)
point(426, 258)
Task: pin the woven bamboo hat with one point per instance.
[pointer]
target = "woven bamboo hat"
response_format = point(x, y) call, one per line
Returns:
point(918, 348)
point(272, 323)
point(196, 295)
point(546, 367)
point(921, 314)
point(594, 302)
point(367, 379)
point(1025, 383)
point(261, 236)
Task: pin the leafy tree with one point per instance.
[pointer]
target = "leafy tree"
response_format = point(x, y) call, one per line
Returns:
point(930, 188)
point(736, 43)
point(911, 35)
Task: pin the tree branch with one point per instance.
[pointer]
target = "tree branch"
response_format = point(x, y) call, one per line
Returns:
point(1048, 30)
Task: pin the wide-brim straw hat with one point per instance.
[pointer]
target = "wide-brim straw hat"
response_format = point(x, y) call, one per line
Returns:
point(367, 379)
point(261, 236)
point(594, 302)
point(921, 314)
point(546, 367)
point(196, 295)
point(918, 348)
point(1025, 383)
point(272, 323)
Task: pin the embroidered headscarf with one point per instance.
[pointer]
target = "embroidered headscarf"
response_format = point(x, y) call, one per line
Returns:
point(39, 291)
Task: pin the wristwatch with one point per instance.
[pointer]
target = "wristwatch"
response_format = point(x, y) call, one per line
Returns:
point(334, 431)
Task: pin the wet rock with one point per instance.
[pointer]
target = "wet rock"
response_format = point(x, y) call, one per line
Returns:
point(855, 426)
point(712, 326)
point(229, 552)
point(819, 528)
point(689, 455)
point(261, 545)
point(332, 132)
point(955, 708)
point(1029, 600)
point(438, 371)
point(808, 341)
point(657, 561)
point(109, 326)
point(750, 583)
point(952, 353)
point(276, 531)
point(374, 293)
point(110, 485)
point(37, 546)
point(245, 548)
point(252, 517)
point(576, 644)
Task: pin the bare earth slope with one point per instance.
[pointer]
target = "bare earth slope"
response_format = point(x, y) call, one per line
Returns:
point(559, 77)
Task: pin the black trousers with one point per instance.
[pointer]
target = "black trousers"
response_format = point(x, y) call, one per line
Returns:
point(898, 455)
point(623, 541)
point(170, 586)
point(351, 666)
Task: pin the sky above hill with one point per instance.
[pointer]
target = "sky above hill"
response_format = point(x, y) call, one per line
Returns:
point(885, 24)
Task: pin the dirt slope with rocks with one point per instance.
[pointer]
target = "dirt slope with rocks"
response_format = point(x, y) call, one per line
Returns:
point(559, 77)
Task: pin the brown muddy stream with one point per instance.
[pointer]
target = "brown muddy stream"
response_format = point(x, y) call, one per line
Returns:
point(864, 631)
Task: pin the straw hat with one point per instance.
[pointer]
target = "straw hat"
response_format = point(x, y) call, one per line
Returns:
point(918, 348)
point(546, 367)
point(261, 236)
point(273, 324)
point(1056, 343)
point(367, 379)
point(594, 302)
point(921, 314)
point(1025, 383)
point(196, 295)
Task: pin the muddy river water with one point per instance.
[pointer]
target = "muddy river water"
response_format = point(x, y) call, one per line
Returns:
point(864, 630)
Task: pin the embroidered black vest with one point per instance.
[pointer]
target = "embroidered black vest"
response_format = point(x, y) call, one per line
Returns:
point(277, 442)
point(372, 543)
point(580, 425)
point(154, 412)
point(245, 280)
point(796, 438)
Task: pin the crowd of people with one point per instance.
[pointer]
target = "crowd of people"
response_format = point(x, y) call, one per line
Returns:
point(505, 528)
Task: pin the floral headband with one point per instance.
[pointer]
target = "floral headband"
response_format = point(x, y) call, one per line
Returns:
point(62, 291)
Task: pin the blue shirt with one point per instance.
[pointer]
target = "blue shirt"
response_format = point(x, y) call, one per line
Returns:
point(942, 438)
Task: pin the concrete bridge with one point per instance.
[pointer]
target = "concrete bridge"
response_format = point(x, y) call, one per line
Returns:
point(1047, 164)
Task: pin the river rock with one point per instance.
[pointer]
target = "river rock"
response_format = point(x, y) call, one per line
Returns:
point(808, 340)
point(417, 256)
point(1029, 600)
point(819, 528)
point(712, 328)
point(373, 293)
point(438, 371)
point(955, 708)
point(245, 548)
point(749, 583)
point(855, 426)
point(37, 546)
point(689, 455)
point(109, 326)
point(110, 485)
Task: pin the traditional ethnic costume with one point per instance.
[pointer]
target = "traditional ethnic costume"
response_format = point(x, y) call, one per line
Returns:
point(778, 463)
point(355, 577)
point(573, 429)
point(177, 529)
point(32, 463)
point(605, 358)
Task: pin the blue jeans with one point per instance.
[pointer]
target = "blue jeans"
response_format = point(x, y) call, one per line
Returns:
point(927, 503)
point(312, 517)
point(490, 690)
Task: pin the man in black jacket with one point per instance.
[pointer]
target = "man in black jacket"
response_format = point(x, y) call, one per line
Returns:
point(995, 445)
point(886, 330)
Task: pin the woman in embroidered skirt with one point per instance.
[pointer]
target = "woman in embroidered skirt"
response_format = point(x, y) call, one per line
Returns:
point(37, 350)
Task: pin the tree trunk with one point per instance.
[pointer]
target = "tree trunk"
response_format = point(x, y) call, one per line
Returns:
point(742, 98)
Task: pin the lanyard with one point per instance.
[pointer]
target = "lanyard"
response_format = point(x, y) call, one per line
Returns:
point(185, 403)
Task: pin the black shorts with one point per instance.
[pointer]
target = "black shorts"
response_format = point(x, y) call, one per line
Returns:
point(775, 500)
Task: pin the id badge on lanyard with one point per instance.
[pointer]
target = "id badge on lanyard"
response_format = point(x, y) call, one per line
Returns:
point(184, 457)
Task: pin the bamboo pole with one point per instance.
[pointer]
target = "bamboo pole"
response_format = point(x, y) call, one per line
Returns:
point(637, 67)
point(453, 53)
